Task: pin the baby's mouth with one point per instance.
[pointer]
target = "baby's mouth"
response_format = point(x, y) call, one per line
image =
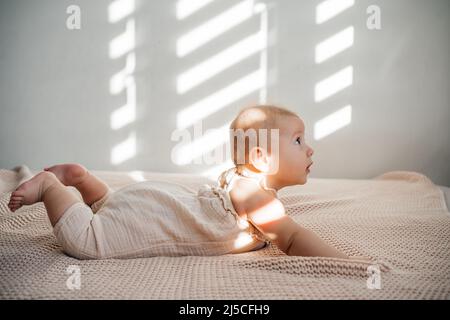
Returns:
point(309, 167)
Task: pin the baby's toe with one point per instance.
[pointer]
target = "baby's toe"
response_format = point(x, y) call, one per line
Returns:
point(18, 193)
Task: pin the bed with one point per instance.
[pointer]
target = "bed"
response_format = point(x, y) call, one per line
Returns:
point(399, 218)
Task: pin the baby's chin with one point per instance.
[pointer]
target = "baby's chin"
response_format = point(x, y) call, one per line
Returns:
point(300, 181)
point(303, 180)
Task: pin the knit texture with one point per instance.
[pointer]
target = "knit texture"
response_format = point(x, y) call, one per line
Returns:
point(399, 218)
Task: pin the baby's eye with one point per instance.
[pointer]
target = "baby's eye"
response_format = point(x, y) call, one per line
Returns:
point(298, 140)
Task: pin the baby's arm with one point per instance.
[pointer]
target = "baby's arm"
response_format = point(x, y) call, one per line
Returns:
point(303, 242)
point(290, 237)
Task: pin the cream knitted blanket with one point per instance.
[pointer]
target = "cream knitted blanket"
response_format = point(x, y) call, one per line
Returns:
point(399, 218)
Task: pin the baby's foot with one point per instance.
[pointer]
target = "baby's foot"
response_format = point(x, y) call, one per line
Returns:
point(31, 191)
point(70, 174)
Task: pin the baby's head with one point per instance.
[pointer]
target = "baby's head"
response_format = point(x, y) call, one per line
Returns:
point(278, 150)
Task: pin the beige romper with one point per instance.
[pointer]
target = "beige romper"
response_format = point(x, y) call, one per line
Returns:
point(156, 218)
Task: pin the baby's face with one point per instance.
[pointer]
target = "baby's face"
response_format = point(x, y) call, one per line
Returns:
point(294, 153)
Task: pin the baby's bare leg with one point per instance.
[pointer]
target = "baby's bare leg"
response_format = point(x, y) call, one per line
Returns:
point(45, 187)
point(76, 175)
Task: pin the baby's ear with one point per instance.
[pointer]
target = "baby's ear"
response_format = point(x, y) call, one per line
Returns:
point(259, 159)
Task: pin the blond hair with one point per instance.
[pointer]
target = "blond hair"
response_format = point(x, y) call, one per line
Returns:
point(254, 117)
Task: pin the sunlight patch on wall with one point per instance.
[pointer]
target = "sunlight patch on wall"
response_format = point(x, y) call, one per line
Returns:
point(216, 101)
point(208, 141)
point(117, 83)
point(123, 81)
point(333, 122)
point(123, 43)
point(334, 45)
point(185, 8)
point(333, 84)
point(127, 113)
point(254, 46)
point(124, 150)
point(218, 63)
point(261, 9)
point(120, 9)
point(341, 79)
point(331, 8)
point(213, 28)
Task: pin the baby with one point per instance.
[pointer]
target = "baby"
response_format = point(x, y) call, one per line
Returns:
point(161, 218)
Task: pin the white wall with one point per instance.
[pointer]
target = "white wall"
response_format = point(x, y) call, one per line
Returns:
point(56, 104)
